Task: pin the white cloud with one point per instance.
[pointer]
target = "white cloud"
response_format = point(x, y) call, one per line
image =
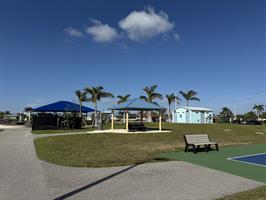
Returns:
point(176, 36)
point(145, 24)
point(73, 32)
point(102, 32)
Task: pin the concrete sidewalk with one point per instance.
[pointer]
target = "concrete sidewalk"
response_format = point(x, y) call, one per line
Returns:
point(24, 177)
point(117, 131)
point(21, 173)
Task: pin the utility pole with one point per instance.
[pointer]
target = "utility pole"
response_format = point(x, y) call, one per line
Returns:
point(175, 101)
point(234, 112)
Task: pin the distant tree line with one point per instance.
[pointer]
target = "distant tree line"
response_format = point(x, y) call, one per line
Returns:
point(4, 113)
point(96, 93)
point(257, 112)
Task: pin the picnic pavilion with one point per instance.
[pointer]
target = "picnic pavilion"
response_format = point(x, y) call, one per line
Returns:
point(136, 105)
point(47, 117)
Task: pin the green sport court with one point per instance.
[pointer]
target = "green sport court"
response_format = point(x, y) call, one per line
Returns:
point(219, 160)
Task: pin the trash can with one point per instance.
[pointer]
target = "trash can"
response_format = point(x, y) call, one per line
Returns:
point(99, 125)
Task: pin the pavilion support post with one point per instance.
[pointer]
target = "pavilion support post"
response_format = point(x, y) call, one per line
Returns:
point(127, 121)
point(112, 124)
point(141, 116)
point(160, 121)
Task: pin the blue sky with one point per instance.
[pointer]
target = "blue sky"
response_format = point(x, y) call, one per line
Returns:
point(48, 49)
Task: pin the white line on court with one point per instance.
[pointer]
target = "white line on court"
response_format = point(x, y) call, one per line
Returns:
point(251, 163)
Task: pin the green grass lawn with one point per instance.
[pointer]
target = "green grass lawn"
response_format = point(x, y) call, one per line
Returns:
point(255, 194)
point(102, 150)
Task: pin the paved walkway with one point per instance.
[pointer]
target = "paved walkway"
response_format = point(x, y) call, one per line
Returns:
point(118, 131)
point(24, 177)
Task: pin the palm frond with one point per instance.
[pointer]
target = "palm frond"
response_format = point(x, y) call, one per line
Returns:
point(182, 93)
point(105, 94)
point(177, 98)
point(78, 93)
point(147, 90)
point(192, 93)
point(195, 99)
point(122, 99)
point(155, 103)
point(144, 98)
point(156, 95)
point(153, 88)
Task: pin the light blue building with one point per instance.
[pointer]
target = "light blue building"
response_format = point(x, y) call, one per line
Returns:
point(193, 115)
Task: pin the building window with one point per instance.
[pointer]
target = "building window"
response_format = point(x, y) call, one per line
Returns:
point(180, 116)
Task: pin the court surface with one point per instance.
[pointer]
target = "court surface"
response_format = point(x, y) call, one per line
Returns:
point(249, 163)
point(253, 159)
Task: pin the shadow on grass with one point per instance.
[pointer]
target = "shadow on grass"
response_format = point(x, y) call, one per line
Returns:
point(74, 192)
point(156, 129)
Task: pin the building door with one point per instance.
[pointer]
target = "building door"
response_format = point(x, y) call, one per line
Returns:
point(202, 117)
point(188, 116)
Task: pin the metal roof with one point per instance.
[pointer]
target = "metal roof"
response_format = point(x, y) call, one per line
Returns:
point(195, 108)
point(62, 106)
point(136, 104)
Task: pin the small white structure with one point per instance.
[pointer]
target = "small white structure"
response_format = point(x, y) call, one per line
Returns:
point(193, 115)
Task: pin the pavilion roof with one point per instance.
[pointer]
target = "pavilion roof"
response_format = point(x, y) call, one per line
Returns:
point(63, 106)
point(137, 104)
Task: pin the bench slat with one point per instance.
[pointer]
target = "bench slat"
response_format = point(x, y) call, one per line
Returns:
point(197, 138)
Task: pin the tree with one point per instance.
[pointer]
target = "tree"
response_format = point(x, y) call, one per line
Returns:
point(7, 112)
point(259, 109)
point(151, 95)
point(170, 99)
point(189, 96)
point(250, 116)
point(95, 95)
point(123, 99)
point(81, 98)
point(1, 114)
point(226, 115)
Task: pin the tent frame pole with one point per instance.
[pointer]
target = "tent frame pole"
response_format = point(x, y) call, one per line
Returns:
point(127, 121)
point(112, 125)
point(160, 121)
point(141, 116)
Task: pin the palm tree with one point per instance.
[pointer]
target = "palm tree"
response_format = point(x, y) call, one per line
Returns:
point(259, 109)
point(81, 98)
point(95, 95)
point(250, 116)
point(190, 96)
point(226, 114)
point(123, 99)
point(170, 99)
point(151, 95)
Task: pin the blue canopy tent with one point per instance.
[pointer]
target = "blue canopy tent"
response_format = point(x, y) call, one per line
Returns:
point(46, 120)
point(63, 106)
point(136, 105)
